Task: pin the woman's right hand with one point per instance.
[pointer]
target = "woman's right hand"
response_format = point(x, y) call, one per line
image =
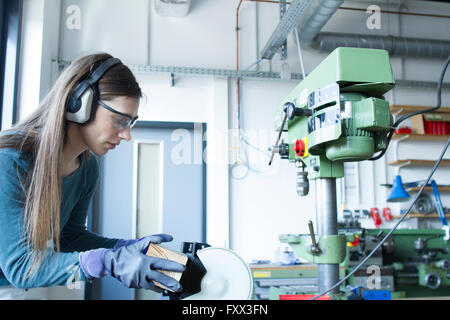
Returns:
point(131, 266)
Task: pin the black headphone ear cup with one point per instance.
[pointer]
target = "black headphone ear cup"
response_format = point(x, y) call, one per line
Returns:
point(81, 108)
point(94, 103)
point(73, 104)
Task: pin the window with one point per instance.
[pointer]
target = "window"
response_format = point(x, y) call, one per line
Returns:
point(10, 26)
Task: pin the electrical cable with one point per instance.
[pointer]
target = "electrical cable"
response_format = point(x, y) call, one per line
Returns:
point(299, 49)
point(404, 117)
point(392, 230)
point(255, 148)
point(253, 64)
point(238, 161)
point(246, 163)
point(259, 171)
point(439, 207)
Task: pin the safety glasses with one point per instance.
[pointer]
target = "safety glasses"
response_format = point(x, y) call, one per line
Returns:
point(122, 122)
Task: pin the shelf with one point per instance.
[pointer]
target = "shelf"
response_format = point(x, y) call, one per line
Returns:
point(429, 189)
point(415, 162)
point(404, 109)
point(415, 189)
point(420, 215)
point(420, 137)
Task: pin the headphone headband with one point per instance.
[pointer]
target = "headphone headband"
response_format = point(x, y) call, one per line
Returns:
point(101, 70)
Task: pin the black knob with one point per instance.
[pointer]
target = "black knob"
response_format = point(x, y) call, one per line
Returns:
point(292, 111)
point(284, 150)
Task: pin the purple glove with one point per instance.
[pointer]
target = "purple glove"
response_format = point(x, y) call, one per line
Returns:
point(131, 266)
point(124, 242)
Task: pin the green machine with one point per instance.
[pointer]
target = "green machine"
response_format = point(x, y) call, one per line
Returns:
point(412, 263)
point(336, 114)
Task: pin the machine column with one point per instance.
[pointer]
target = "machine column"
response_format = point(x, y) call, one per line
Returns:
point(326, 217)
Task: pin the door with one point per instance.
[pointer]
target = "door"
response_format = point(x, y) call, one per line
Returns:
point(154, 183)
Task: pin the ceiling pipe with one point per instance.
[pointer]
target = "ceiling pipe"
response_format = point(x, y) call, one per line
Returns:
point(315, 17)
point(318, 14)
point(396, 46)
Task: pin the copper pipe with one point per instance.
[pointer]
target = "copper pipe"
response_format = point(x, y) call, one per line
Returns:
point(400, 12)
point(237, 34)
point(237, 83)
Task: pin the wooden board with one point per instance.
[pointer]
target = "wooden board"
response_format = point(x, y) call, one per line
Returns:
point(164, 253)
point(420, 215)
point(420, 137)
point(414, 189)
point(403, 109)
point(415, 162)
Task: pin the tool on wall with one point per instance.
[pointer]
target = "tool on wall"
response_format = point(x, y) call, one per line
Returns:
point(387, 214)
point(376, 217)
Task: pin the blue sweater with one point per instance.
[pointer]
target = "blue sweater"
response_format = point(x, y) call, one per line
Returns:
point(15, 256)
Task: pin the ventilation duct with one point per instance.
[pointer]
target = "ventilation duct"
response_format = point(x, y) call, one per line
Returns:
point(315, 17)
point(172, 8)
point(318, 14)
point(405, 47)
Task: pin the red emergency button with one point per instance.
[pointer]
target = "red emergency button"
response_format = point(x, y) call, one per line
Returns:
point(299, 148)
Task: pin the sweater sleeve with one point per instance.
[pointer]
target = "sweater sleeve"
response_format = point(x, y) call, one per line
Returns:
point(75, 236)
point(15, 255)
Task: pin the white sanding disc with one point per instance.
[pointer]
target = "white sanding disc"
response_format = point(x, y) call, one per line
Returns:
point(227, 278)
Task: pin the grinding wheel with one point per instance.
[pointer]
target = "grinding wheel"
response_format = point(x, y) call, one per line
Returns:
point(227, 278)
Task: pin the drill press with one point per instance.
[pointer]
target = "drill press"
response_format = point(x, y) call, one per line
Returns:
point(336, 114)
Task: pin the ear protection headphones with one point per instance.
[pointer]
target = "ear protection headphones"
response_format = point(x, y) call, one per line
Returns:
point(82, 103)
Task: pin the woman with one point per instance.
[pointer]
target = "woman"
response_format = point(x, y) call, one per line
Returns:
point(48, 176)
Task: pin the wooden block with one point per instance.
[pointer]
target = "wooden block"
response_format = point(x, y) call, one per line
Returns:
point(417, 124)
point(164, 253)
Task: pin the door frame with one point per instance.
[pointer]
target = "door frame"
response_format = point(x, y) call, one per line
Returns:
point(136, 144)
point(146, 124)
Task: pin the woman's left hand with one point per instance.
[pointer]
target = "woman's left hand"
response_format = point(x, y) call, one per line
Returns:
point(123, 242)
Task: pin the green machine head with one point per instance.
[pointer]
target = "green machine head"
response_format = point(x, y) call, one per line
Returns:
point(337, 113)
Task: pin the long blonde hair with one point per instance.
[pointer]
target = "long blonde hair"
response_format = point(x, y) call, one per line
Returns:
point(43, 134)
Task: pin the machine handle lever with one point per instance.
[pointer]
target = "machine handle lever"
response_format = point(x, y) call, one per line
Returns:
point(274, 149)
point(289, 111)
point(315, 247)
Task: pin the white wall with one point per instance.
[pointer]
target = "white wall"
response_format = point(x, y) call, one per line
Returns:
point(261, 206)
